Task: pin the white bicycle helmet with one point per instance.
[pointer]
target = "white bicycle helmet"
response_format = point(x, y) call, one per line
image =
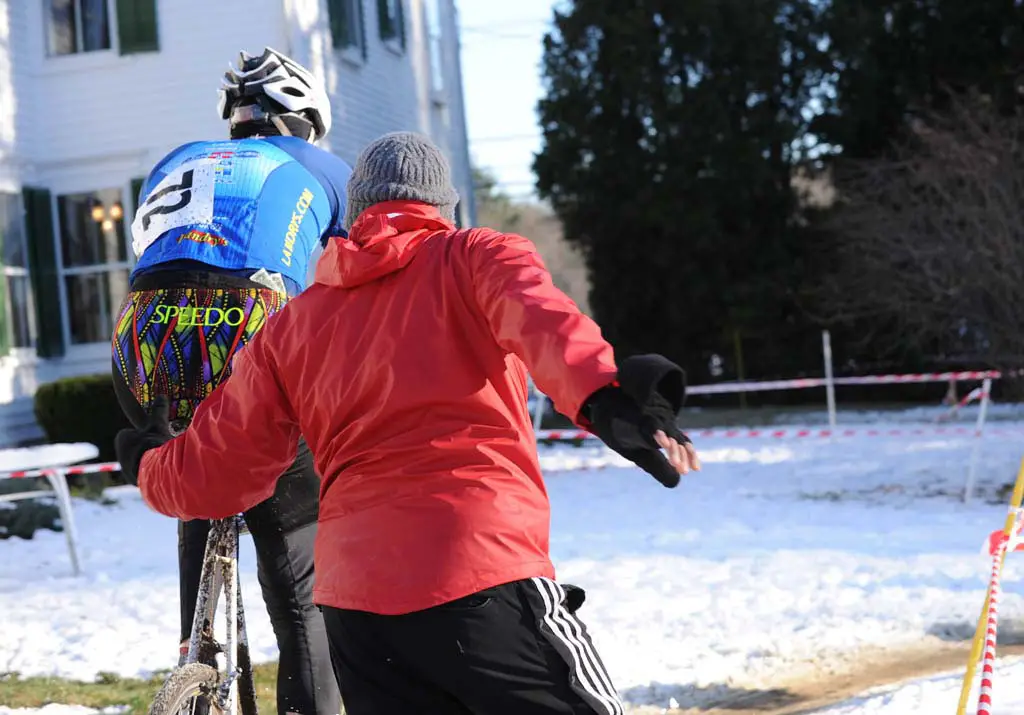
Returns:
point(273, 90)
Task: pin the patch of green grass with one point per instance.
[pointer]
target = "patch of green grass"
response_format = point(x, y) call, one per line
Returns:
point(109, 690)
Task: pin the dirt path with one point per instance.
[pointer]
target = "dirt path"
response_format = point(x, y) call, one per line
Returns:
point(812, 689)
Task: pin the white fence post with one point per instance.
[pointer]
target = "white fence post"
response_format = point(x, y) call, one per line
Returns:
point(538, 411)
point(830, 385)
point(986, 388)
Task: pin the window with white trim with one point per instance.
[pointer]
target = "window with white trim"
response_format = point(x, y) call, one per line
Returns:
point(94, 262)
point(74, 26)
point(19, 315)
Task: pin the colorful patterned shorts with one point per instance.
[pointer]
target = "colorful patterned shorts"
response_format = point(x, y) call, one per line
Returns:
point(179, 341)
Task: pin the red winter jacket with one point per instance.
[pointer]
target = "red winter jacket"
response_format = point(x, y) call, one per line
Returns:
point(404, 366)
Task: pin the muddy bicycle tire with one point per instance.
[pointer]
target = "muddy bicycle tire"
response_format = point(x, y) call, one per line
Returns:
point(190, 681)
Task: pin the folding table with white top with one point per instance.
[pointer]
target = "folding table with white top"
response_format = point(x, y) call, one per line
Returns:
point(51, 462)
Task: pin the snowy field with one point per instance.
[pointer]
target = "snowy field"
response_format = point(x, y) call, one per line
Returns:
point(939, 694)
point(778, 554)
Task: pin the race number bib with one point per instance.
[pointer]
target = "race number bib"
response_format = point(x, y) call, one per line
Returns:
point(183, 198)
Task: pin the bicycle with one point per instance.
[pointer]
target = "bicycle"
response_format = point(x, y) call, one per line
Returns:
point(198, 685)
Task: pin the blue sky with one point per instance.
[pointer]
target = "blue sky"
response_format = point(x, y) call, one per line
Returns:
point(501, 52)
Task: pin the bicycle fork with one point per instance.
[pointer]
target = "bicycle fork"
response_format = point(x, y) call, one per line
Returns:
point(220, 572)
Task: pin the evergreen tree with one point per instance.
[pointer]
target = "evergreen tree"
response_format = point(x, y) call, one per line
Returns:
point(671, 133)
point(894, 57)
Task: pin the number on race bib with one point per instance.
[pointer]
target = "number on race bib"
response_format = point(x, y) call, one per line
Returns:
point(153, 206)
point(183, 198)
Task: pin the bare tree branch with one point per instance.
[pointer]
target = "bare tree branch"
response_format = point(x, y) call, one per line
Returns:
point(932, 238)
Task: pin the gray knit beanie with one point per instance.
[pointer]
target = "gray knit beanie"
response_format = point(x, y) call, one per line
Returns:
point(402, 166)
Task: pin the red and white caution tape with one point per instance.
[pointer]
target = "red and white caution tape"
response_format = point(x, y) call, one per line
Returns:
point(577, 435)
point(81, 469)
point(997, 539)
point(558, 435)
point(755, 386)
point(997, 545)
point(977, 393)
point(989, 658)
point(581, 435)
point(919, 377)
point(811, 382)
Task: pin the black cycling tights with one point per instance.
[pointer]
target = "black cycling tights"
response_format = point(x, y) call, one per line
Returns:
point(283, 530)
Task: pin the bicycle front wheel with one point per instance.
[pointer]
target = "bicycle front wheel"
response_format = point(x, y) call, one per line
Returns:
point(190, 689)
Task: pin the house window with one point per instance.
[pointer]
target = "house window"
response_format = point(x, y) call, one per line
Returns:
point(17, 302)
point(77, 26)
point(435, 37)
point(74, 26)
point(392, 22)
point(346, 18)
point(94, 262)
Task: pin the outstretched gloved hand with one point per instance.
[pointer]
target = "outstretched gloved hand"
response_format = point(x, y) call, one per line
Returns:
point(637, 416)
point(131, 444)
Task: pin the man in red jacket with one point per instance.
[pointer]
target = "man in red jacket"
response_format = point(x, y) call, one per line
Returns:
point(405, 368)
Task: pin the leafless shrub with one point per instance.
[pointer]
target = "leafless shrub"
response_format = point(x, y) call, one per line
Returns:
point(931, 238)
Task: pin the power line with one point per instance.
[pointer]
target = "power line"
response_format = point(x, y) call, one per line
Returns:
point(501, 184)
point(522, 197)
point(517, 196)
point(510, 30)
point(504, 24)
point(503, 138)
point(470, 37)
point(506, 164)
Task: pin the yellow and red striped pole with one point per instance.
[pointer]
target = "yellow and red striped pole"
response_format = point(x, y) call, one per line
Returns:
point(982, 628)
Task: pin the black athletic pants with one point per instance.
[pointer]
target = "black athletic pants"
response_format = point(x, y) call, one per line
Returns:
point(516, 649)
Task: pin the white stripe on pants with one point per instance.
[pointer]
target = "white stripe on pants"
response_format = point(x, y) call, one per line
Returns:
point(567, 633)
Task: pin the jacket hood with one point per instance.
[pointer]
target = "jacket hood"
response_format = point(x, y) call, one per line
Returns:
point(383, 240)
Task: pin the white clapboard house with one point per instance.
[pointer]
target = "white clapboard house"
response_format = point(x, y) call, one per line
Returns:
point(94, 92)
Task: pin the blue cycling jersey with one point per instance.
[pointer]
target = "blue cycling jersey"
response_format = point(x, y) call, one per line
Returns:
point(240, 205)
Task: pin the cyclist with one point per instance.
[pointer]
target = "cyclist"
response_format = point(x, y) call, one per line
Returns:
point(224, 233)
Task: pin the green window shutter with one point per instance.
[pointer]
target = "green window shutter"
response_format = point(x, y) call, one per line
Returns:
point(42, 256)
point(346, 19)
point(136, 190)
point(400, 5)
point(387, 29)
point(337, 12)
point(137, 26)
point(362, 28)
point(5, 324)
point(347, 22)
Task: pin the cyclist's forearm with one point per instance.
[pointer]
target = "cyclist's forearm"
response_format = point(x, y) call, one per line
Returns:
point(242, 438)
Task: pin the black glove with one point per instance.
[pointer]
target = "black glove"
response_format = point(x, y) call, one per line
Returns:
point(131, 444)
point(625, 417)
point(654, 382)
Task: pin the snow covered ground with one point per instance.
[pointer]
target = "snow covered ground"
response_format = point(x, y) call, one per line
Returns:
point(779, 553)
point(939, 694)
